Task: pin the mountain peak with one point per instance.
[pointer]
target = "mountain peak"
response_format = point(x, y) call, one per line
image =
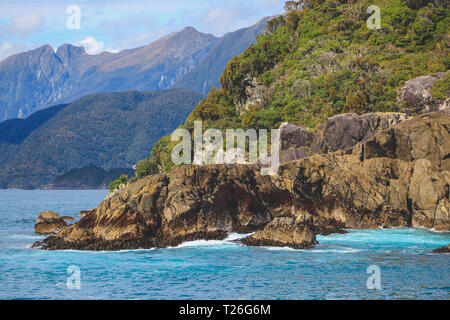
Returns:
point(70, 49)
point(191, 32)
point(190, 29)
point(67, 51)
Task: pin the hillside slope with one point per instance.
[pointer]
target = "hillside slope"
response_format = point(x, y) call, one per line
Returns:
point(323, 60)
point(109, 130)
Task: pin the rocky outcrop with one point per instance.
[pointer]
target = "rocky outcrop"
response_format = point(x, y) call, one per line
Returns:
point(442, 250)
point(86, 212)
point(297, 233)
point(295, 142)
point(49, 222)
point(193, 202)
point(416, 95)
point(338, 133)
point(399, 178)
point(346, 130)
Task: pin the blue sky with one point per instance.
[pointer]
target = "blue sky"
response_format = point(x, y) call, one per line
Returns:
point(112, 25)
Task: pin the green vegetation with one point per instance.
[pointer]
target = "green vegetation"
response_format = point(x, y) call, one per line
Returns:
point(441, 88)
point(323, 60)
point(123, 180)
point(90, 177)
point(146, 167)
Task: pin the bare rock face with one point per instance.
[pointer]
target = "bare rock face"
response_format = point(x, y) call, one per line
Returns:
point(346, 130)
point(399, 178)
point(416, 96)
point(294, 142)
point(294, 232)
point(49, 222)
point(339, 133)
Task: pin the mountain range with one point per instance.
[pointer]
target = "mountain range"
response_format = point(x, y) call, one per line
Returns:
point(186, 59)
point(107, 130)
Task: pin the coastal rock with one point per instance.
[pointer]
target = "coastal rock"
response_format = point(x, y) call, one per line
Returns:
point(49, 222)
point(68, 219)
point(296, 233)
point(86, 212)
point(442, 250)
point(193, 202)
point(399, 178)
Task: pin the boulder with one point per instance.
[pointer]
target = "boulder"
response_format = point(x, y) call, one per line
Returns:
point(338, 133)
point(295, 142)
point(49, 222)
point(416, 96)
point(346, 130)
point(291, 232)
point(68, 219)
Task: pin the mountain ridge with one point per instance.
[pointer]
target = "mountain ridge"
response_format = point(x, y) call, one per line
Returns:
point(45, 76)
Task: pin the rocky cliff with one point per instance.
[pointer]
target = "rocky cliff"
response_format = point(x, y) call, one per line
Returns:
point(398, 178)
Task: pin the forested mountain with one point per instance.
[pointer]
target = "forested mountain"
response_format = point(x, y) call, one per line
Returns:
point(108, 130)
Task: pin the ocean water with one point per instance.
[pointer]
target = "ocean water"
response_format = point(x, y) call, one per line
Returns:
point(335, 269)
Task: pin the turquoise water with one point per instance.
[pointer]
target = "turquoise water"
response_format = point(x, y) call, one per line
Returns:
point(335, 269)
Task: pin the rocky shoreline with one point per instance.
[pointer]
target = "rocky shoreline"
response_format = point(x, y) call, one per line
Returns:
point(398, 178)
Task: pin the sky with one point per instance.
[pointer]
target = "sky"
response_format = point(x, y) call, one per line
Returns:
point(113, 25)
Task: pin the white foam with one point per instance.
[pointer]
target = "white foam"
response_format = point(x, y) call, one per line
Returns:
point(238, 236)
point(282, 249)
point(201, 243)
point(349, 250)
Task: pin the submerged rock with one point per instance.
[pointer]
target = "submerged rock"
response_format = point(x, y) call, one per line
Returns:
point(442, 250)
point(399, 178)
point(49, 222)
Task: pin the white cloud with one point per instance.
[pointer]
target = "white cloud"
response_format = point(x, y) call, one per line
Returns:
point(9, 48)
point(113, 50)
point(25, 25)
point(92, 46)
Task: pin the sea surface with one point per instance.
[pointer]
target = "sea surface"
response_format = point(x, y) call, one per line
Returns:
point(399, 260)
